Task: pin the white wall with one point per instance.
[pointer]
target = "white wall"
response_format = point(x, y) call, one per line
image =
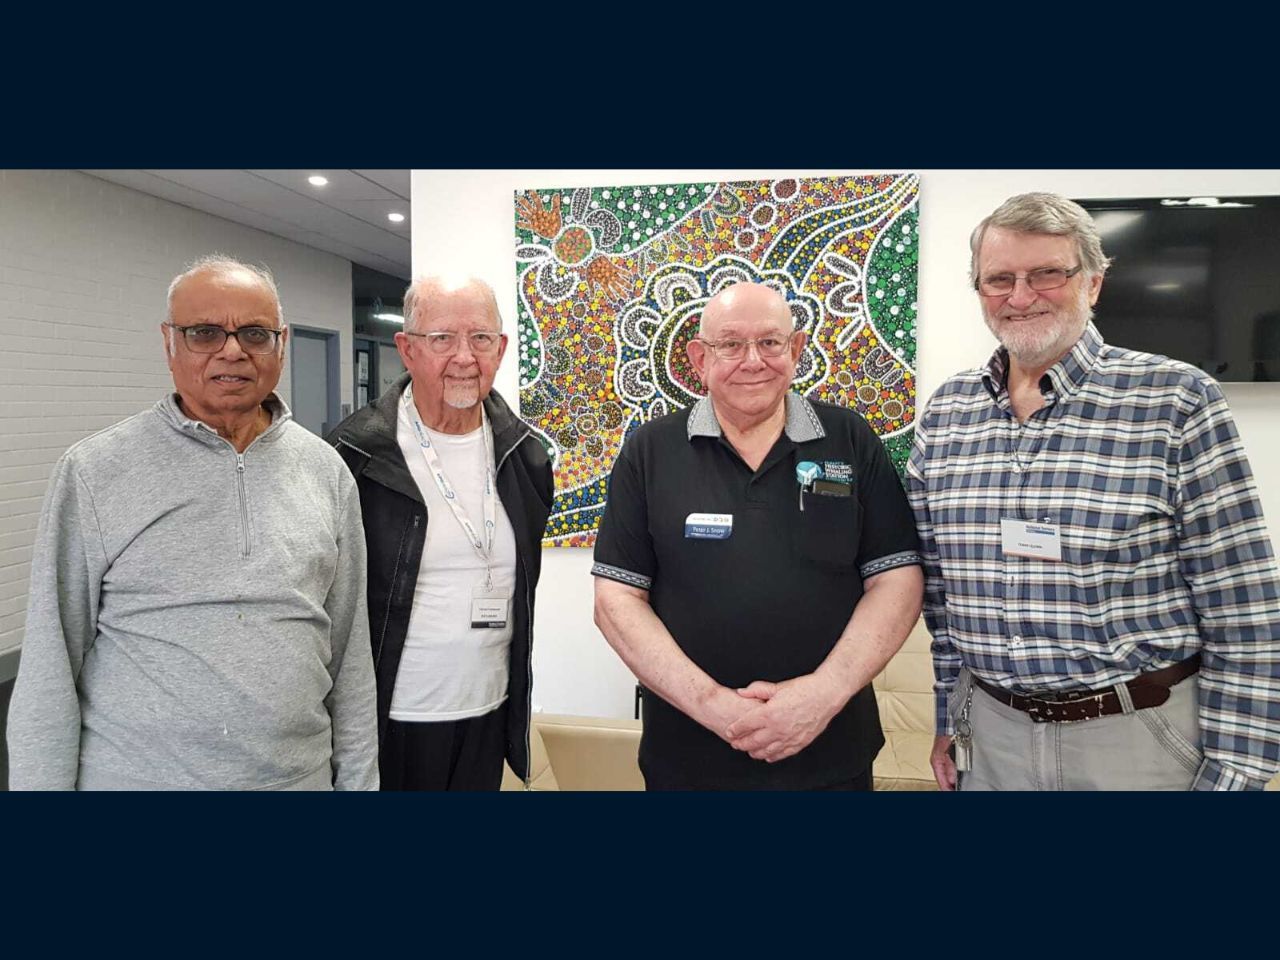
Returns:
point(84, 267)
point(463, 221)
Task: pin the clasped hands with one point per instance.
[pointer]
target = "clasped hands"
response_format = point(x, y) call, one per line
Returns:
point(773, 721)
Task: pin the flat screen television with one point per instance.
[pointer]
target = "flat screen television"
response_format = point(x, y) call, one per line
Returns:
point(1194, 278)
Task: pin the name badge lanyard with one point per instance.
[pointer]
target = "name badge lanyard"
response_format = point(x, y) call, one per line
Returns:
point(483, 546)
point(1021, 493)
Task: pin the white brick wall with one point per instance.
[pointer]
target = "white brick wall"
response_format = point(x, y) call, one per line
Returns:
point(84, 266)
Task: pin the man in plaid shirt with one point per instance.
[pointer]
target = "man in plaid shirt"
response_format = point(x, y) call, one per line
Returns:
point(1100, 585)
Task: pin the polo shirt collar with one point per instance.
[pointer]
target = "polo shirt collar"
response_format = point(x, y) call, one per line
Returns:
point(802, 420)
point(1063, 379)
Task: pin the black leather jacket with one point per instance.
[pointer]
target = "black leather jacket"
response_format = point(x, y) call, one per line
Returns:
point(395, 529)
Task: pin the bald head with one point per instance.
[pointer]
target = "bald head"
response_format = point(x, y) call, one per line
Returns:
point(744, 301)
point(427, 294)
point(746, 353)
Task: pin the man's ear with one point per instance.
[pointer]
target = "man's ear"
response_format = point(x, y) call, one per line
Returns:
point(798, 340)
point(696, 351)
point(403, 342)
point(1095, 287)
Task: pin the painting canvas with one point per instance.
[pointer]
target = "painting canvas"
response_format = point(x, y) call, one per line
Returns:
point(612, 282)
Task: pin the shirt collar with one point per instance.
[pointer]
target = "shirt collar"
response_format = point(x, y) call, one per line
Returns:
point(802, 420)
point(169, 408)
point(1063, 379)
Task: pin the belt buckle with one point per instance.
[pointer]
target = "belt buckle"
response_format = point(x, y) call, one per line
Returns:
point(1036, 710)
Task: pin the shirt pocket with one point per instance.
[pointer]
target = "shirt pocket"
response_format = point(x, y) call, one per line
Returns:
point(1122, 532)
point(826, 531)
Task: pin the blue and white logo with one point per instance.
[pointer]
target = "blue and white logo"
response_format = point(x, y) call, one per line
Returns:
point(806, 472)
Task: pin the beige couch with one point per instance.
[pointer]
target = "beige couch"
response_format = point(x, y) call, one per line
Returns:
point(586, 753)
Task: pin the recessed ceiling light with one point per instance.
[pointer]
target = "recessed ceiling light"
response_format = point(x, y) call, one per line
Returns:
point(395, 217)
point(317, 180)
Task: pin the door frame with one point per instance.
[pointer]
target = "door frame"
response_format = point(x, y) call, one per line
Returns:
point(332, 344)
point(359, 343)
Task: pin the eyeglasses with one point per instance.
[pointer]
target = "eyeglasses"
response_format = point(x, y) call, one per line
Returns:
point(733, 348)
point(209, 338)
point(443, 342)
point(1046, 278)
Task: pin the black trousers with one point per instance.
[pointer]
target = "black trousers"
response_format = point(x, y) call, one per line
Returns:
point(445, 755)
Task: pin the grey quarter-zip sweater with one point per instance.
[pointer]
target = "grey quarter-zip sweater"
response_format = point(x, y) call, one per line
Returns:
point(196, 617)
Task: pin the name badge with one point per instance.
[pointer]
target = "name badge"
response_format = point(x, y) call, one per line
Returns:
point(1029, 538)
point(488, 610)
point(708, 526)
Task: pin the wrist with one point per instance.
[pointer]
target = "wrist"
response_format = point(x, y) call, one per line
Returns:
point(832, 692)
point(706, 701)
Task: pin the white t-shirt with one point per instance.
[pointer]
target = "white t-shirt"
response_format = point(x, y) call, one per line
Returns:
point(450, 670)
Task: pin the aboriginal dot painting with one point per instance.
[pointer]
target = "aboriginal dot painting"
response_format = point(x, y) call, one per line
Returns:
point(612, 282)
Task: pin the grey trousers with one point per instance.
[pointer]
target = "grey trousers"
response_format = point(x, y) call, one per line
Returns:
point(1153, 749)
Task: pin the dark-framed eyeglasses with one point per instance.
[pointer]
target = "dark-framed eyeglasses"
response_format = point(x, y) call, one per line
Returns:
point(735, 348)
point(444, 342)
point(210, 338)
point(1046, 278)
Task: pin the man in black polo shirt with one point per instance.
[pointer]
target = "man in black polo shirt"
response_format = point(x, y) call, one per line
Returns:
point(756, 566)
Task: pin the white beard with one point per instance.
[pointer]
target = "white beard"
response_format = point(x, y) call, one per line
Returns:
point(1040, 344)
point(462, 396)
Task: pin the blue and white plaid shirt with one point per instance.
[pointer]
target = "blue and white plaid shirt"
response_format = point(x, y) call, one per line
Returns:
point(1164, 550)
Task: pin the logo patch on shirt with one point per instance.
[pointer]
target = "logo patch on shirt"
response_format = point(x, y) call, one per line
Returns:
point(839, 471)
point(708, 526)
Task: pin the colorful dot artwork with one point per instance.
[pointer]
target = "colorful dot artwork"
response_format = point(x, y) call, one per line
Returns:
point(612, 282)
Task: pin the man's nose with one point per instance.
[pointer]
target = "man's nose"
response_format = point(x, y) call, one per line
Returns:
point(753, 354)
point(231, 349)
point(1022, 294)
point(464, 354)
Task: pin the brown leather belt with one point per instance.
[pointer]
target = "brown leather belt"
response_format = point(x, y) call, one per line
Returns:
point(1146, 690)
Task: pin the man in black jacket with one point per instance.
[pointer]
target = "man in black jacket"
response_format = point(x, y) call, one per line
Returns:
point(450, 600)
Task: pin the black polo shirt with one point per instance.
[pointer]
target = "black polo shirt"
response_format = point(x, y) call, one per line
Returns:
point(767, 601)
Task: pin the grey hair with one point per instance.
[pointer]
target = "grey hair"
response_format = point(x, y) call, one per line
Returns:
point(1044, 213)
point(425, 287)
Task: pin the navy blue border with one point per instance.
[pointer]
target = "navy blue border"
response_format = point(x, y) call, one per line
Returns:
point(923, 871)
point(905, 87)
point(889, 87)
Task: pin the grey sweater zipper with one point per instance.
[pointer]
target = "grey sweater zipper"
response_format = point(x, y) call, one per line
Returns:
point(244, 504)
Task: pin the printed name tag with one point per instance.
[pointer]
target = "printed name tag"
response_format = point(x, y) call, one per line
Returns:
point(488, 611)
point(708, 526)
point(1027, 538)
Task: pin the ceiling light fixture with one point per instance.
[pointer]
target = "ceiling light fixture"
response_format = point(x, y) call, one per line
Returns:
point(395, 217)
point(393, 317)
point(317, 180)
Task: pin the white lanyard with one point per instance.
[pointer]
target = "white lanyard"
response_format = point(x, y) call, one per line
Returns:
point(484, 548)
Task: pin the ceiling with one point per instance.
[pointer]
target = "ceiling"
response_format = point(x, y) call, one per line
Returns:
point(347, 217)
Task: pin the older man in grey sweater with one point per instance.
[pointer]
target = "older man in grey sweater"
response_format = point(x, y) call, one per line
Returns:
point(197, 607)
